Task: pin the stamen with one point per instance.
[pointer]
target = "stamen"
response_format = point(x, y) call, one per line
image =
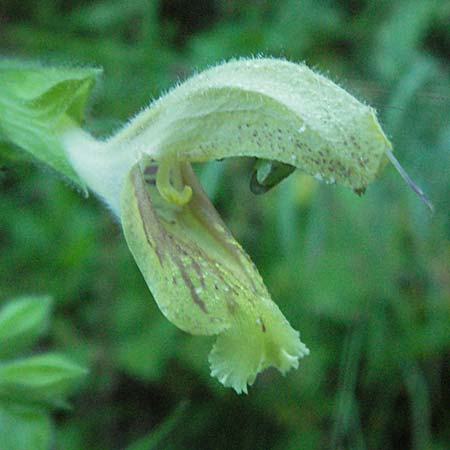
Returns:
point(408, 180)
point(165, 188)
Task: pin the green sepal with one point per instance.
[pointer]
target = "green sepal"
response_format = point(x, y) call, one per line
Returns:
point(21, 322)
point(37, 104)
point(202, 279)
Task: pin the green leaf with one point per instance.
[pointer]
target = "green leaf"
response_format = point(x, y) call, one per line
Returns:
point(202, 279)
point(21, 322)
point(23, 428)
point(45, 379)
point(132, 353)
point(37, 103)
point(157, 438)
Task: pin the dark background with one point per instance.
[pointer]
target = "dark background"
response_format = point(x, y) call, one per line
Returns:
point(366, 280)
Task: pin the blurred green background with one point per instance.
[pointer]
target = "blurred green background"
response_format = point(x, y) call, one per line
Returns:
point(365, 280)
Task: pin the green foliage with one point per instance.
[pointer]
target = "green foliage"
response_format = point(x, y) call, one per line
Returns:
point(41, 379)
point(158, 437)
point(30, 386)
point(23, 427)
point(22, 322)
point(366, 281)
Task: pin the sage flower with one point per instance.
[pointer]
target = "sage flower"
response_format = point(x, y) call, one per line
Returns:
point(282, 113)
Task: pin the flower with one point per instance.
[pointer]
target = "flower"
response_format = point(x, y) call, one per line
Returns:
point(202, 280)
